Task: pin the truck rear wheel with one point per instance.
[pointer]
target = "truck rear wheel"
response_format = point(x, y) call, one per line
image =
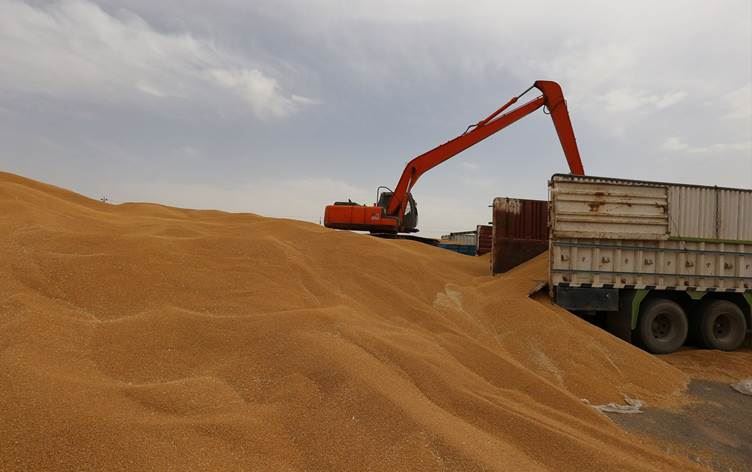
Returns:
point(662, 327)
point(722, 325)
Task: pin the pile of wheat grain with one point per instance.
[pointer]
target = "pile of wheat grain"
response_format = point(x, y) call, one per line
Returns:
point(142, 337)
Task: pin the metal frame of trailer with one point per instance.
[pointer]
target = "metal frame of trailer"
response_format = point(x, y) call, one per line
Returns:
point(619, 248)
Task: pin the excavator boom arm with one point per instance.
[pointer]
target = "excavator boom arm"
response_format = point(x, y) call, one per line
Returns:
point(557, 107)
point(552, 97)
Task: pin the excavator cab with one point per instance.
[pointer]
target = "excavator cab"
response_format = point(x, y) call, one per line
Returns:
point(410, 218)
point(372, 218)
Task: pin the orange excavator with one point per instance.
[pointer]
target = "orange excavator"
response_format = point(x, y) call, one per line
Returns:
point(396, 211)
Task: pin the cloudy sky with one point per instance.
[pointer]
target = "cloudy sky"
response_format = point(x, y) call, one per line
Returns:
point(279, 107)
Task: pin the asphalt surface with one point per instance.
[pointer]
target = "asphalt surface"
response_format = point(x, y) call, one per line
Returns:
point(715, 430)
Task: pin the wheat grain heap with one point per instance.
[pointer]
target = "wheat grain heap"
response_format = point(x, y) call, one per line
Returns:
point(143, 337)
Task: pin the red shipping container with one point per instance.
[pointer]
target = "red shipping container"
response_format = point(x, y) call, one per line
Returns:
point(484, 238)
point(520, 232)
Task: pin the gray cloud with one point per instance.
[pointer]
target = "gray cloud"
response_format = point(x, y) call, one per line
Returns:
point(75, 50)
point(279, 107)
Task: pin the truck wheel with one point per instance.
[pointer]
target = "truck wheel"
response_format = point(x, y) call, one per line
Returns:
point(722, 325)
point(662, 327)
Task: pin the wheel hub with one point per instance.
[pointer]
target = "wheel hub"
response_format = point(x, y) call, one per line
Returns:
point(661, 326)
point(721, 326)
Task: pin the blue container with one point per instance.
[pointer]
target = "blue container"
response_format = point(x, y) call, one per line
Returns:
point(465, 249)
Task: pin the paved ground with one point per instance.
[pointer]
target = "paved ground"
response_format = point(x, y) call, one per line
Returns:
point(715, 430)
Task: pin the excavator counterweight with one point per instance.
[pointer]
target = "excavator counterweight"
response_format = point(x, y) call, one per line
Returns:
point(396, 211)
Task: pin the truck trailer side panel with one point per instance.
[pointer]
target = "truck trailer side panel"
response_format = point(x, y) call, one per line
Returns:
point(633, 234)
point(658, 263)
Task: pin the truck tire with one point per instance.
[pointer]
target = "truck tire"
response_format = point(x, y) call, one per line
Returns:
point(722, 325)
point(662, 327)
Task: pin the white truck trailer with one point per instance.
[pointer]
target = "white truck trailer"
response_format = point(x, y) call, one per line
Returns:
point(658, 263)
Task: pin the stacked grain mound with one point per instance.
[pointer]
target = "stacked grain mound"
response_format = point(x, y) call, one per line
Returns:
point(142, 337)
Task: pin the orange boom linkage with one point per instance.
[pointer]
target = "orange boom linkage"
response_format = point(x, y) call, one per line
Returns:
point(396, 212)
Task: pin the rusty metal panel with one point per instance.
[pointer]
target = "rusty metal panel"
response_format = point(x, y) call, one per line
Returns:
point(519, 232)
point(672, 264)
point(596, 208)
point(484, 239)
point(520, 218)
point(604, 208)
point(508, 253)
point(707, 244)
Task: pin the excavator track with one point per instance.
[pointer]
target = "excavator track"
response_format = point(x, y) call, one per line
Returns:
point(429, 241)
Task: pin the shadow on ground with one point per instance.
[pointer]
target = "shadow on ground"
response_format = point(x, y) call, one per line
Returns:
point(715, 430)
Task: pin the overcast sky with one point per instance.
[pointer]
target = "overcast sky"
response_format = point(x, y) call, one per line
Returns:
point(281, 107)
